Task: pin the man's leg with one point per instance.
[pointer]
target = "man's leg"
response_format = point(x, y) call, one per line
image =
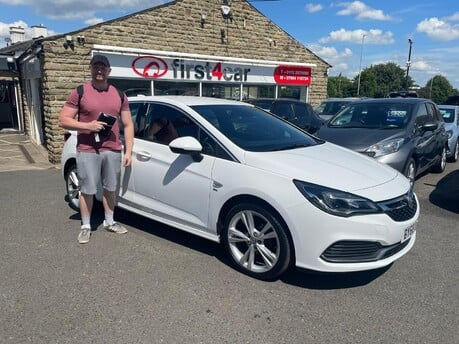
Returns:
point(110, 179)
point(86, 202)
point(88, 166)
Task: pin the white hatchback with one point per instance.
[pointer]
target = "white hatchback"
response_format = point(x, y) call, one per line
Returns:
point(273, 195)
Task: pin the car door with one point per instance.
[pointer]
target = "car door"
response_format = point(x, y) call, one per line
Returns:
point(127, 190)
point(439, 135)
point(172, 186)
point(425, 138)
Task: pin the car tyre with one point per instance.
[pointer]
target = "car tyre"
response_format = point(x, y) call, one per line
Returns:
point(455, 155)
point(256, 242)
point(72, 184)
point(439, 167)
point(410, 171)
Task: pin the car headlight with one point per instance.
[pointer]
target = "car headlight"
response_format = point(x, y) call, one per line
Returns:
point(336, 202)
point(385, 147)
point(449, 133)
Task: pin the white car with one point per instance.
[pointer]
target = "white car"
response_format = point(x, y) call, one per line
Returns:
point(273, 195)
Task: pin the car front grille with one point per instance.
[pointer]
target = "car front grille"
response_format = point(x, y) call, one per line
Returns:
point(348, 251)
point(401, 208)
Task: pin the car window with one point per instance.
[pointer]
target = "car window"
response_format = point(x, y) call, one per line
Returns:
point(253, 129)
point(138, 110)
point(447, 114)
point(162, 123)
point(373, 116)
point(434, 115)
point(422, 116)
point(284, 110)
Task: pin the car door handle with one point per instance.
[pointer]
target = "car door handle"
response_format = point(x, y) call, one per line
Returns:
point(143, 156)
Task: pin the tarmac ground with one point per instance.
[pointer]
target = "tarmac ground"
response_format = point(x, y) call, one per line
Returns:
point(18, 152)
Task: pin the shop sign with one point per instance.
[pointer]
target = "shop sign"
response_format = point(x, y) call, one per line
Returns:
point(155, 67)
point(182, 69)
point(292, 75)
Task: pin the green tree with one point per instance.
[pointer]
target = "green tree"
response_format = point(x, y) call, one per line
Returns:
point(438, 88)
point(368, 83)
point(339, 87)
point(390, 77)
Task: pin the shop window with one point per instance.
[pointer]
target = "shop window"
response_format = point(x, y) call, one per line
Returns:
point(258, 91)
point(295, 92)
point(226, 91)
point(176, 88)
point(132, 87)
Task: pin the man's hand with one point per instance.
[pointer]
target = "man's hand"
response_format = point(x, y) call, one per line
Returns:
point(127, 160)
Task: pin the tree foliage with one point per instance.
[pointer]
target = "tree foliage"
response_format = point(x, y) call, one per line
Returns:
point(378, 80)
point(437, 88)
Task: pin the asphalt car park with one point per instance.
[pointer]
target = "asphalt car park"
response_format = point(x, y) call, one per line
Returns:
point(158, 284)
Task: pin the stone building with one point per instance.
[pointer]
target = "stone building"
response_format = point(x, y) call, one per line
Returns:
point(215, 48)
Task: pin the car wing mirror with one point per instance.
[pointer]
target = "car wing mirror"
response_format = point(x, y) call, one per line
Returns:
point(187, 145)
point(430, 126)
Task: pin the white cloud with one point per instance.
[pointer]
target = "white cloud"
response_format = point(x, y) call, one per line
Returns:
point(438, 29)
point(330, 54)
point(362, 11)
point(373, 36)
point(93, 21)
point(454, 17)
point(312, 8)
point(83, 9)
point(421, 66)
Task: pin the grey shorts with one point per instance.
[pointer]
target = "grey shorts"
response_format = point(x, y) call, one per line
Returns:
point(98, 168)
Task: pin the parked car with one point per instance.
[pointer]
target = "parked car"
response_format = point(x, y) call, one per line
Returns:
point(295, 111)
point(331, 106)
point(271, 194)
point(405, 133)
point(450, 114)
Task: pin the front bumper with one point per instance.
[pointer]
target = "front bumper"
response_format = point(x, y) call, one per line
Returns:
point(328, 243)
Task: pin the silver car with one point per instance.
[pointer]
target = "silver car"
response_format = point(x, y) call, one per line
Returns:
point(450, 114)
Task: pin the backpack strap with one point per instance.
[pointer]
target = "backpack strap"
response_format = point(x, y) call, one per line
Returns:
point(80, 91)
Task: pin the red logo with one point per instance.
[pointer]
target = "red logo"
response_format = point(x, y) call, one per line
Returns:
point(149, 66)
point(292, 75)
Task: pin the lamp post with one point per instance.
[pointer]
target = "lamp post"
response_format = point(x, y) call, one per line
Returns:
point(408, 64)
point(360, 65)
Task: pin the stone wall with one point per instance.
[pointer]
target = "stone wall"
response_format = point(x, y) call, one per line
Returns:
point(175, 26)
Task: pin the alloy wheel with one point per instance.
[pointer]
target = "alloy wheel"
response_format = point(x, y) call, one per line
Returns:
point(256, 241)
point(73, 188)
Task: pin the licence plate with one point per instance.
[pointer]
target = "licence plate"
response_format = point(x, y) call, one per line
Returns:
point(408, 232)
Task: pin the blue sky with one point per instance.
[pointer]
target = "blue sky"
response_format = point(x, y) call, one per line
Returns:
point(348, 34)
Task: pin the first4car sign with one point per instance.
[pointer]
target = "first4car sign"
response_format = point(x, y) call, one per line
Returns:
point(154, 67)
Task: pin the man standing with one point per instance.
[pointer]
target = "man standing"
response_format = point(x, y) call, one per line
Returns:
point(98, 144)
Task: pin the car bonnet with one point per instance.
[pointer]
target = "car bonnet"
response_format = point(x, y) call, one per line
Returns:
point(334, 167)
point(358, 139)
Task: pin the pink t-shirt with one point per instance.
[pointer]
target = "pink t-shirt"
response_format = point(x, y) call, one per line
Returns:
point(92, 104)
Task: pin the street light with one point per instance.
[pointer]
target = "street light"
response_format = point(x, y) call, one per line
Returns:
point(360, 66)
point(408, 64)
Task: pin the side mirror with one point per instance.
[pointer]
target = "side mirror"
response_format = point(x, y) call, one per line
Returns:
point(187, 145)
point(429, 127)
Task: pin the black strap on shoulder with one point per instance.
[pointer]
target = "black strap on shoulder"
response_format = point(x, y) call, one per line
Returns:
point(80, 91)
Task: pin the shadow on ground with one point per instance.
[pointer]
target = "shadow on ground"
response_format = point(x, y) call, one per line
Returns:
point(446, 193)
point(301, 278)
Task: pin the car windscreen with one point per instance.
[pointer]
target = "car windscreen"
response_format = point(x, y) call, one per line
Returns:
point(253, 129)
point(373, 116)
point(447, 114)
